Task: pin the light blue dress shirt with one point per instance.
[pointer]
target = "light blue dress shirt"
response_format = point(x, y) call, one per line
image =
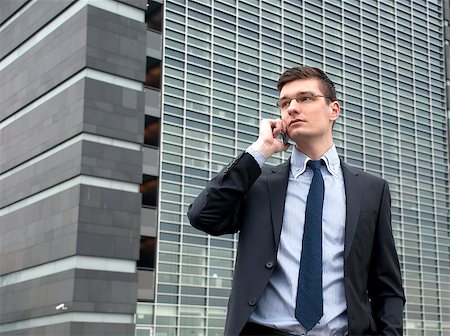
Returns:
point(276, 308)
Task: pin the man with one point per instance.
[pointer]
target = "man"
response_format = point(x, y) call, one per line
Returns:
point(316, 254)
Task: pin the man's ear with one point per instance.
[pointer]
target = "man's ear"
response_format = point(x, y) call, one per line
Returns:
point(335, 110)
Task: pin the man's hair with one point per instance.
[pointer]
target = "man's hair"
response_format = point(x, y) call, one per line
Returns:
point(306, 72)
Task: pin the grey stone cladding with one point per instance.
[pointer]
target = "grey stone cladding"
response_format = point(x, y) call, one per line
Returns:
point(71, 128)
point(28, 23)
point(79, 290)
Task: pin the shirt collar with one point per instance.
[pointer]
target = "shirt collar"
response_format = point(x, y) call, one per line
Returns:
point(299, 160)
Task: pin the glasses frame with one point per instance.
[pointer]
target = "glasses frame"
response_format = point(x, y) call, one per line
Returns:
point(297, 98)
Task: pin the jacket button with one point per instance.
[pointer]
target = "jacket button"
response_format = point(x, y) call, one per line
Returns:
point(269, 264)
point(251, 301)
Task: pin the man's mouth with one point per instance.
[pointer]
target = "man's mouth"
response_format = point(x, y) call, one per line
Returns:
point(295, 121)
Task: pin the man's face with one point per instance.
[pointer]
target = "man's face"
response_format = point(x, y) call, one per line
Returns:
point(311, 116)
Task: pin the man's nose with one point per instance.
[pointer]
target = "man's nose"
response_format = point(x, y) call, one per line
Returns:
point(293, 107)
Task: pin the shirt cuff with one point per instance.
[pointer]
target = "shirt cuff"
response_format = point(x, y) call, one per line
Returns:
point(261, 159)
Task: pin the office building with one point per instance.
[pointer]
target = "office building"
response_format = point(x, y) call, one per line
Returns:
point(71, 127)
point(104, 100)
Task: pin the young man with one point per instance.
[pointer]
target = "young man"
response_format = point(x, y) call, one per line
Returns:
point(316, 254)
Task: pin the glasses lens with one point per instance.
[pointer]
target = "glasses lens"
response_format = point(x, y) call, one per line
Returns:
point(283, 103)
point(305, 97)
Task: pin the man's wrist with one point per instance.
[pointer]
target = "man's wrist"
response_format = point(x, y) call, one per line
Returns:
point(262, 148)
point(257, 155)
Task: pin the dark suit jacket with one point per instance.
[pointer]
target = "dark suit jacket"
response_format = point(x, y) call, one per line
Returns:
point(244, 198)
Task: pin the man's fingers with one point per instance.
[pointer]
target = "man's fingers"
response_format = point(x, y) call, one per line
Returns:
point(277, 127)
point(267, 142)
point(271, 126)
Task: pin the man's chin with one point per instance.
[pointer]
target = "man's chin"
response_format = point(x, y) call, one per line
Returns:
point(298, 136)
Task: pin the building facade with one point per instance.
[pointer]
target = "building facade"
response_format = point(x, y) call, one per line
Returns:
point(220, 64)
point(115, 114)
point(71, 125)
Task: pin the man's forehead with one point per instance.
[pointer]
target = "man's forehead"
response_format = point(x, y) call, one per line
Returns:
point(300, 85)
point(302, 93)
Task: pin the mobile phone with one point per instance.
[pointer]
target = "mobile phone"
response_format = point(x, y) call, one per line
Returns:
point(285, 138)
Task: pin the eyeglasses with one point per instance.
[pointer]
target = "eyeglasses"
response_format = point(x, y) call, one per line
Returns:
point(301, 98)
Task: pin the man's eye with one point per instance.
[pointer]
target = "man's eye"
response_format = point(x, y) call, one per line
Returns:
point(305, 98)
point(285, 103)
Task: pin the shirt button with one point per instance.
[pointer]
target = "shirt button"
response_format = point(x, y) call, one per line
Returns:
point(251, 301)
point(269, 264)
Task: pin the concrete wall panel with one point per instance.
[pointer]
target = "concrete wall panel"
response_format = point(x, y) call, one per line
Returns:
point(46, 173)
point(113, 292)
point(107, 110)
point(53, 329)
point(40, 232)
point(80, 290)
point(77, 329)
point(114, 111)
point(36, 297)
point(116, 44)
point(141, 4)
point(109, 222)
point(111, 162)
point(84, 157)
point(29, 22)
point(48, 125)
point(9, 7)
point(102, 329)
point(57, 57)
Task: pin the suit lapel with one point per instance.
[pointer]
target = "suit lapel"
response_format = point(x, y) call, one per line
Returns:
point(277, 180)
point(353, 193)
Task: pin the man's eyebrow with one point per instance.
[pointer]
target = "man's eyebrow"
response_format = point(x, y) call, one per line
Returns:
point(297, 94)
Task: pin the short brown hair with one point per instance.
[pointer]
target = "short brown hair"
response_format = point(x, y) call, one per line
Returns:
point(306, 72)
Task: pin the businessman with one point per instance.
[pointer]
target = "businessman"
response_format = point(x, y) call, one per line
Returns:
point(316, 255)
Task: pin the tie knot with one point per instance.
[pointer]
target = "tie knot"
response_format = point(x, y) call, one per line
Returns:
point(314, 164)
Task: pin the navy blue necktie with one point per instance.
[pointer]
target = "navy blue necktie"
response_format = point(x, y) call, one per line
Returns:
point(309, 307)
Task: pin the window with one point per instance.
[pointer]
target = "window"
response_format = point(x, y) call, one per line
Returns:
point(151, 133)
point(149, 190)
point(147, 253)
point(153, 15)
point(153, 73)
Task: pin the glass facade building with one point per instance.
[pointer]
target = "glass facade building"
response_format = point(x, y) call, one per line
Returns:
point(114, 115)
point(220, 64)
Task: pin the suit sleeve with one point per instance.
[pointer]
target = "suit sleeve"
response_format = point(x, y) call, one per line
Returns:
point(385, 283)
point(218, 208)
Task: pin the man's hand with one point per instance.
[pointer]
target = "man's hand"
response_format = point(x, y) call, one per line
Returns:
point(267, 142)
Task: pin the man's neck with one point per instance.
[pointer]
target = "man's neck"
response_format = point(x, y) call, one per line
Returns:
point(314, 150)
